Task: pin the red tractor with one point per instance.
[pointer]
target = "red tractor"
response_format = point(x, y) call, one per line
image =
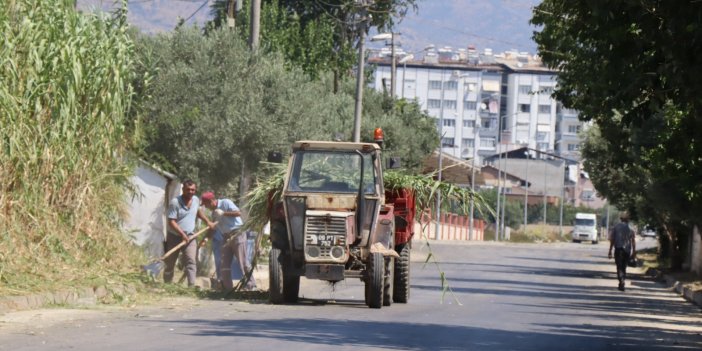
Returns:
point(336, 220)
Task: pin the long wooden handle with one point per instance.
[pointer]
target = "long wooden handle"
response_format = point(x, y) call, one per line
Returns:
point(183, 243)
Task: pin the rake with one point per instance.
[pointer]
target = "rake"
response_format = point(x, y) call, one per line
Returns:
point(154, 268)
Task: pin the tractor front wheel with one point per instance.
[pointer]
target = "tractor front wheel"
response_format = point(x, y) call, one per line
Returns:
point(284, 286)
point(275, 277)
point(375, 280)
point(388, 281)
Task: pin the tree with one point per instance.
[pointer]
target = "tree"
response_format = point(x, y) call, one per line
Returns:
point(216, 106)
point(631, 67)
point(318, 35)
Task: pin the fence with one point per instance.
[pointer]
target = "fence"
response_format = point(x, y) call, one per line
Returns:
point(451, 227)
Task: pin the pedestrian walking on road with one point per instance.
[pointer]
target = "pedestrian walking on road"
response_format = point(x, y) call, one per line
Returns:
point(623, 239)
point(233, 240)
point(183, 212)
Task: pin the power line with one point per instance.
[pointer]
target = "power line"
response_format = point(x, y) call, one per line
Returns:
point(467, 33)
point(196, 11)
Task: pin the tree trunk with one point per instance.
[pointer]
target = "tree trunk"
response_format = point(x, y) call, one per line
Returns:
point(336, 81)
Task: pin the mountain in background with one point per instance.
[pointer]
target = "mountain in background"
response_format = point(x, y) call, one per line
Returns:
point(497, 24)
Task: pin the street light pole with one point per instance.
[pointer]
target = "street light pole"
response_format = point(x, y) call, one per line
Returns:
point(472, 194)
point(526, 188)
point(560, 219)
point(441, 147)
point(545, 169)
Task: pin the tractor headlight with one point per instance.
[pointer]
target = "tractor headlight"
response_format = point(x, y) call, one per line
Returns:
point(337, 252)
point(312, 251)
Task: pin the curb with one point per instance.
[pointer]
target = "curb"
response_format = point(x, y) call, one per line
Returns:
point(78, 297)
point(694, 296)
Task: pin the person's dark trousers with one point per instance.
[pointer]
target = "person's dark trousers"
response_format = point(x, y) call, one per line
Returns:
point(621, 257)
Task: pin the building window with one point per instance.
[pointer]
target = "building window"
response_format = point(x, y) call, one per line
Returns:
point(434, 85)
point(447, 142)
point(544, 108)
point(468, 123)
point(488, 124)
point(541, 136)
point(451, 85)
point(469, 87)
point(542, 146)
point(525, 89)
point(524, 108)
point(573, 147)
point(487, 142)
point(546, 91)
point(449, 122)
point(434, 103)
point(450, 105)
point(467, 142)
point(470, 105)
point(574, 129)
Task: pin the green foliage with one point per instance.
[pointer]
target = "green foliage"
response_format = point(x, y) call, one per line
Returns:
point(317, 36)
point(424, 187)
point(632, 68)
point(514, 210)
point(64, 99)
point(214, 105)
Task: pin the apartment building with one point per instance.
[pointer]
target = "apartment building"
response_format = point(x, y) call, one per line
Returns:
point(484, 103)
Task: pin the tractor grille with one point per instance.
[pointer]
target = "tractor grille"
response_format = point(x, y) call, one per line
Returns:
point(325, 232)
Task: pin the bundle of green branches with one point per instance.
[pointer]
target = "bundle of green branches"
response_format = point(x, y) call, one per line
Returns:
point(64, 129)
point(424, 186)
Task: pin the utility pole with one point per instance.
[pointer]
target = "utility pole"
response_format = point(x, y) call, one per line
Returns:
point(360, 75)
point(255, 23)
point(392, 65)
point(231, 13)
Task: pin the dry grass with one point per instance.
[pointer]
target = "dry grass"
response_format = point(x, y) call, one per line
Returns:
point(539, 233)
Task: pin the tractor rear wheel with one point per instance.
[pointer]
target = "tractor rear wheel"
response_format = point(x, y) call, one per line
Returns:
point(375, 274)
point(401, 292)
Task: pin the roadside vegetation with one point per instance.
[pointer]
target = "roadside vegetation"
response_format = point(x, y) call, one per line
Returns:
point(84, 95)
point(64, 101)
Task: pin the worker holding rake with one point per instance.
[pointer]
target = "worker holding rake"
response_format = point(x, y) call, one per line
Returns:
point(233, 240)
point(183, 212)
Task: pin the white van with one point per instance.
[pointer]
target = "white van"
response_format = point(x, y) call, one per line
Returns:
point(585, 227)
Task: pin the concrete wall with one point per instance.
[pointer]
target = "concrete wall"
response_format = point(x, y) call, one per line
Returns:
point(146, 223)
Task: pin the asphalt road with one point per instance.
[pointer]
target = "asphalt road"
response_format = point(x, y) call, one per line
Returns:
point(501, 297)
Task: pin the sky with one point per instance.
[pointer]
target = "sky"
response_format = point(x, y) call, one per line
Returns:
point(497, 24)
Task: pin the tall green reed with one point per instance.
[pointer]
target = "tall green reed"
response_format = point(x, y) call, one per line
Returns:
point(64, 96)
